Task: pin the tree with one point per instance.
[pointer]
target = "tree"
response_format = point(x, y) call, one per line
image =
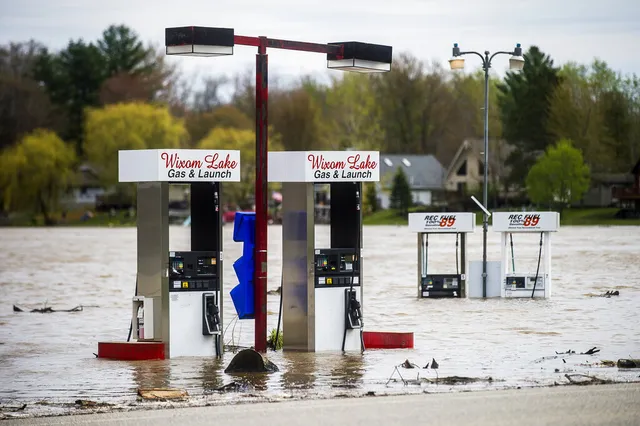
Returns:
point(200, 124)
point(73, 79)
point(36, 172)
point(594, 107)
point(209, 97)
point(297, 118)
point(559, 176)
point(370, 198)
point(417, 109)
point(24, 105)
point(128, 126)
point(354, 114)
point(524, 105)
point(244, 140)
point(401, 198)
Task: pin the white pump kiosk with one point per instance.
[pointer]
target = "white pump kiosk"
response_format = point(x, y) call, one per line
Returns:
point(322, 287)
point(179, 294)
point(533, 283)
point(437, 285)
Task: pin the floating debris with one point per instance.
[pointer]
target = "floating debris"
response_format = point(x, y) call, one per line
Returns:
point(85, 403)
point(274, 292)
point(408, 364)
point(459, 380)
point(163, 394)
point(49, 310)
point(628, 363)
point(588, 380)
point(250, 361)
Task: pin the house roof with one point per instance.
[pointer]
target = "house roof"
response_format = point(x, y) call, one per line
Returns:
point(498, 153)
point(423, 171)
point(612, 178)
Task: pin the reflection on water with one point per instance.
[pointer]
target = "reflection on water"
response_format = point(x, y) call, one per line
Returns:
point(50, 356)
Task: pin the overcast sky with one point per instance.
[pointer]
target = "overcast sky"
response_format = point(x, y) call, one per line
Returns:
point(568, 30)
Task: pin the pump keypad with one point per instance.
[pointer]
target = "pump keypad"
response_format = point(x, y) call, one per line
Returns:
point(336, 268)
point(194, 271)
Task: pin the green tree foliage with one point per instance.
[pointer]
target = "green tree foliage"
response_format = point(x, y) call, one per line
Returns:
point(524, 100)
point(468, 92)
point(594, 107)
point(24, 105)
point(296, 117)
point(200, 124)
point(128, 126)
point(239, 193)
point(560, 176)
point(401, 198)
point(353, 114)
point(370, 198)
point(72, 79)
point(36, 172)
point(116, 68)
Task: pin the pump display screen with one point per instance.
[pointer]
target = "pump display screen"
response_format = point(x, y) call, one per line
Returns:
point(193, 271)
point(441, 285)
point(336, 267)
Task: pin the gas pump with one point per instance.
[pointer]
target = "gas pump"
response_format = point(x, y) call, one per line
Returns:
point(322, 287)
point(179, 293)
point(516, 283)
point(436, 285)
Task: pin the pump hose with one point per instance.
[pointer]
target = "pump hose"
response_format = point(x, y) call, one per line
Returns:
point(275, 342)
point(353, 275)
point(513, 258)
point(535, 282)
point(457, 267)
point(131, 323)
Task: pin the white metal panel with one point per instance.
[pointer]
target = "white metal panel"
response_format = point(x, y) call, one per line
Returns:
point(330, 321)
point(526, 221)
point(139, 165)
point(442, 222)
point(286, 166)
point(494, 279)
point(185, 322)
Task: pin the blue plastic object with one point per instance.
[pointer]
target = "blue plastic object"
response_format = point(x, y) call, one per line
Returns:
point(244, 227)
point(244, 230)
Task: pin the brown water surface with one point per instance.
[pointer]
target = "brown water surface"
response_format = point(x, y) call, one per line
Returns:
point(50, 356)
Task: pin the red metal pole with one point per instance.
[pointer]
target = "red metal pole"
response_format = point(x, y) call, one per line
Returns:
point(261, 198)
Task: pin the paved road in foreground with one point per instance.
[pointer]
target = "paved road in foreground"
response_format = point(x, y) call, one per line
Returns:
point(567, 406)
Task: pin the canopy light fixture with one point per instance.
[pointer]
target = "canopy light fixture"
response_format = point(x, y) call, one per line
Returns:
point(199, 41)
point(360, 57)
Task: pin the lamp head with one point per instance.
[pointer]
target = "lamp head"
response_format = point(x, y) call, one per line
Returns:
point(516, 62)
point(456, 62)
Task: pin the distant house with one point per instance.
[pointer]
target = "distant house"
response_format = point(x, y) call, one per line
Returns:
point(629, 197)
point(602, 189)
point(424, 173)
point(466, 171)
point(85, 189)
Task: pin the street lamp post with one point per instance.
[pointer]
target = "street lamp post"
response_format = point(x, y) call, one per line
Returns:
point(516, 63)
point(345, 56)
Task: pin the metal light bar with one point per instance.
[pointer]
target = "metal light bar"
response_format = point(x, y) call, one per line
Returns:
point(360, 57)
point(199, 41)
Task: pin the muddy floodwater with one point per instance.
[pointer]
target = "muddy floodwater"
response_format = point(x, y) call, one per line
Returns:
point(47, 360)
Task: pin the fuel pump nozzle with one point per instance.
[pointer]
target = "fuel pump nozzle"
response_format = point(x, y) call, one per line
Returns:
point(211, 323)
point(353, 317)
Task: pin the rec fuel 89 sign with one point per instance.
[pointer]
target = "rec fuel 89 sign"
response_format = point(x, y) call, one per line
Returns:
point(442, 222)
point(526, 222)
